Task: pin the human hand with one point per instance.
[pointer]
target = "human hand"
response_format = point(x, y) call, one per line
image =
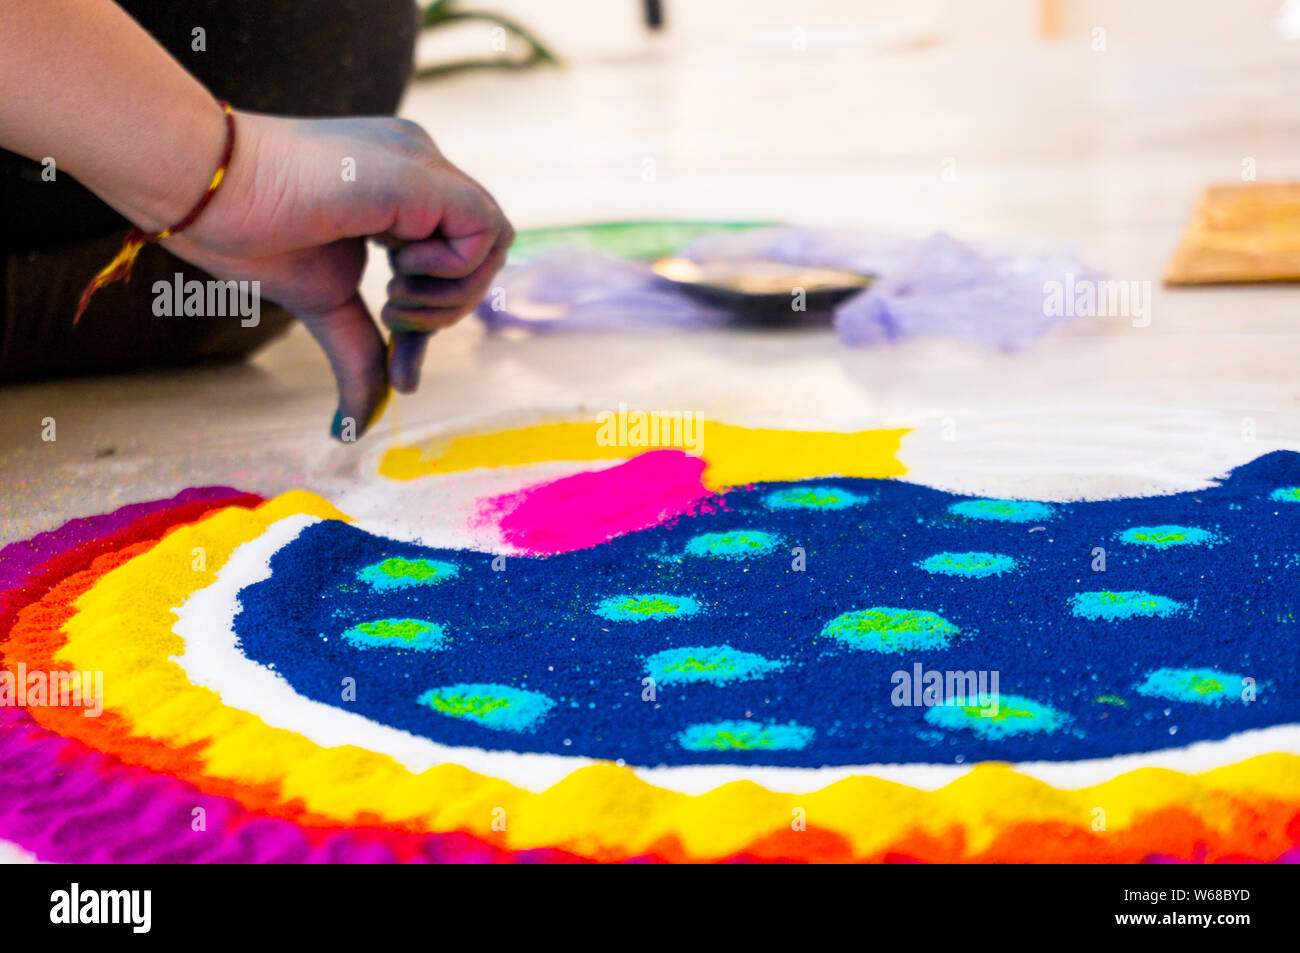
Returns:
point(289, 215)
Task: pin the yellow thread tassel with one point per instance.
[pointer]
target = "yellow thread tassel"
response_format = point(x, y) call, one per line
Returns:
point(119, 269)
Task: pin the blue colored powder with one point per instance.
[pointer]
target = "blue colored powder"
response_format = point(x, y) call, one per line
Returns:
point(533, 628)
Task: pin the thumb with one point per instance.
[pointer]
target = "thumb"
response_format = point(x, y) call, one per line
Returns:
point(348, 336)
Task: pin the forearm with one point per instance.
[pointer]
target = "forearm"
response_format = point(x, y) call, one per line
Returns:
point(86, 86)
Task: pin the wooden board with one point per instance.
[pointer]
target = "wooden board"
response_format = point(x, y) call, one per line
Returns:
point(1240, 233)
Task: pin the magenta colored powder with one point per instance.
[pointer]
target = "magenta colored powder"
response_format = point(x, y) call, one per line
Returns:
point(66, 802)
point(17, 560)
point(589, 508)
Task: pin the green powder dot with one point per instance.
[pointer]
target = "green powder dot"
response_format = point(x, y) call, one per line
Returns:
point(642, 606)
point(734, 544)
point(891, 630)
point(398, 573)
point(812, 498)
point(970, 565)
point(1010, 511)
point(1167, 536)
point(396, 634)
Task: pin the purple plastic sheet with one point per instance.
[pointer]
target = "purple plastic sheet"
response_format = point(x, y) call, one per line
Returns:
point(936, 286)
point(945, 288)
point(868, 253)
point(576, 289)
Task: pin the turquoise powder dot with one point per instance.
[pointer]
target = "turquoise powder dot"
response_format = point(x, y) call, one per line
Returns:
point(734, 544)
point(643, 606)
point(1009, 511)
point(1204, 686)
point(499, 707)
point(397, 573)
point(1007, 715)
point(417, 634)
point(813, 498)
point(1167, 536)
point(716, 664)
point(745, 736)
point(1286, 494)
point(891, 630)
point(1113, 606)
point(971, 565)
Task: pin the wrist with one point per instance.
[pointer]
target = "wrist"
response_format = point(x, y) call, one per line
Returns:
point(179, 170)
point(224, 224)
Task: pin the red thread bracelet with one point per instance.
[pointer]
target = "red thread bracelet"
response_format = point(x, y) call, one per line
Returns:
point(119, 269)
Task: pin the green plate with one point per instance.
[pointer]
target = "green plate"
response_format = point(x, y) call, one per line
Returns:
point(633, 240)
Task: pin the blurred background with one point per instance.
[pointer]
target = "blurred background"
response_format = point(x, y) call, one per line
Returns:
point(1078, 124)
point(1089, 121)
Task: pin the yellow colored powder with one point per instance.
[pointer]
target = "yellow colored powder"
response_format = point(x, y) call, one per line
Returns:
point(736, 456)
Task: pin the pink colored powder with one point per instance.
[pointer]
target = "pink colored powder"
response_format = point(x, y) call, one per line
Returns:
point(589, 508)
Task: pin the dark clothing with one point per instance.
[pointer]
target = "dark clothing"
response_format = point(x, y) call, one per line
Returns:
point(293, 57)
point(119, 331)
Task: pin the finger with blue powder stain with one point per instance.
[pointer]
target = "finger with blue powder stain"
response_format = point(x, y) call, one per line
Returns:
point(406, 357)
point(358, 357)
point(434, 283)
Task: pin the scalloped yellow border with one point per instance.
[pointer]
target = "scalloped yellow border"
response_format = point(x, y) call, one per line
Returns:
point(123, 627)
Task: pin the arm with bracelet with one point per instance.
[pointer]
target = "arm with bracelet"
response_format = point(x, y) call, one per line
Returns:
point(250, 196)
